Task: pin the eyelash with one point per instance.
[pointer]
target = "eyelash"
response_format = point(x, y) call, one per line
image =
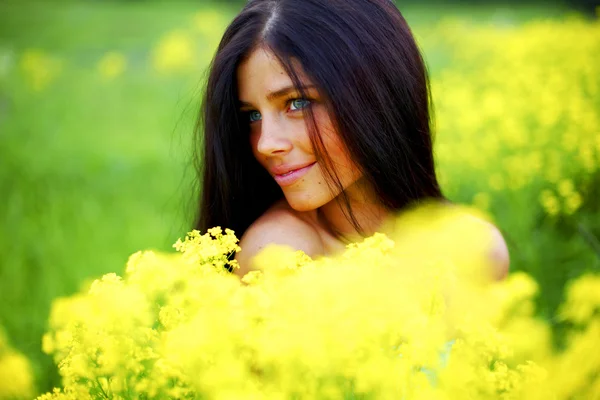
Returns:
point(288, 103)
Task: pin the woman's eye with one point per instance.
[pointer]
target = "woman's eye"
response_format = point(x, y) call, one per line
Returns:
point(254, 116)
point(297, 104)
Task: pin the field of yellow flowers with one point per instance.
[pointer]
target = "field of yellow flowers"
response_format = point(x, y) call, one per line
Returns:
point(95, 165)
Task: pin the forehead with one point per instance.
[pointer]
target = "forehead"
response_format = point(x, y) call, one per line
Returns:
point(261, 71)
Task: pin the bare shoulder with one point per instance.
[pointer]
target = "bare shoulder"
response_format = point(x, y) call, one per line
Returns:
point(278, 225)
point(499, 256)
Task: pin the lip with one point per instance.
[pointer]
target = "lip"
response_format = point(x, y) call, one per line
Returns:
point(286, 179)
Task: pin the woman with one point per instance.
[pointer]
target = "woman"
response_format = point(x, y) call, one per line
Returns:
point(316, 126)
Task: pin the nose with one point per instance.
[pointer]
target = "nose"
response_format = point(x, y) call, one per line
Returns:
point(273, 137)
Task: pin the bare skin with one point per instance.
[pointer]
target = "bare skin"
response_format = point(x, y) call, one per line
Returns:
point(279, 140)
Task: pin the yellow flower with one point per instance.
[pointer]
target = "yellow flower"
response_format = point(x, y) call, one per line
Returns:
point(112, 65)
point(496, 182)
point(16, 374)
point(573, 202)
point(549, 202)
point(175, 52)
point(39, 68)
point(566, 187)
point(582, 299)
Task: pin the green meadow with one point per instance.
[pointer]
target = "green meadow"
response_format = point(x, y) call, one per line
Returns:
point(98, 102)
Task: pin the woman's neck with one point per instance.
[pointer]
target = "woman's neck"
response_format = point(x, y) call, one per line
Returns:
point(365, 207)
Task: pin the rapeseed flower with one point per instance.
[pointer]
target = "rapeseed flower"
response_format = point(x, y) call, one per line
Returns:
point(16, 374)
point(112, 65)
point(413, 314)
point(518, 125)
point(39, 69)
point(175, 52)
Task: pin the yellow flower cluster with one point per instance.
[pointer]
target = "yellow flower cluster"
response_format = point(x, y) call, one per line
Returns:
point(521, 112)
point(409, 315)
point(180, 51)
point(183, 50)
point(174, 52)
point(112, 65)
point(39, 68)
point(16, 375)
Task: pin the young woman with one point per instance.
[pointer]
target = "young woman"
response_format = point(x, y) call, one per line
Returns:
point(315, 126)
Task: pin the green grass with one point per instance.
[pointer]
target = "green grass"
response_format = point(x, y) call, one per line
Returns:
point(84, 184)
point(92, 171)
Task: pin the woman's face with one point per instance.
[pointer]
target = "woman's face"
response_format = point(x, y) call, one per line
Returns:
point(279, 136)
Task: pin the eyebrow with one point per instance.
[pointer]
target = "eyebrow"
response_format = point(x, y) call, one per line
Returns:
point(280, 93)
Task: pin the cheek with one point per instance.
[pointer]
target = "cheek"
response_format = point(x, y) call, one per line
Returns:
point(341, 160)
point(300, 137)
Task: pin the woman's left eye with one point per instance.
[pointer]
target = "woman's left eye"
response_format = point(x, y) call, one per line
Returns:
point(297, 104)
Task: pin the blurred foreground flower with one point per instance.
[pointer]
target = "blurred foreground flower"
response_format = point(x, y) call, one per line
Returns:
point(16, 375)
point(411, 315)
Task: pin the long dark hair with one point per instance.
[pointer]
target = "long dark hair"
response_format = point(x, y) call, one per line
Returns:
point(363, 59)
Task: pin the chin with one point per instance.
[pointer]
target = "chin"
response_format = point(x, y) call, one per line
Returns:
point(302, 204)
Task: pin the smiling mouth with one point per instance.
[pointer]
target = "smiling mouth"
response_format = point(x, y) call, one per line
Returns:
point(289, 173)
point(292, 176)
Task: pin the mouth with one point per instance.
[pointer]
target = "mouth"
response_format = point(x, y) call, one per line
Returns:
point(292, 176)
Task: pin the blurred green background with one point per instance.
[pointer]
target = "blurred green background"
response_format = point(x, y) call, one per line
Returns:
point(98, 101)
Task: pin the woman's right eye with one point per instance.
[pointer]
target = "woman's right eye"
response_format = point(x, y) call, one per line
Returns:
point(254, 116)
